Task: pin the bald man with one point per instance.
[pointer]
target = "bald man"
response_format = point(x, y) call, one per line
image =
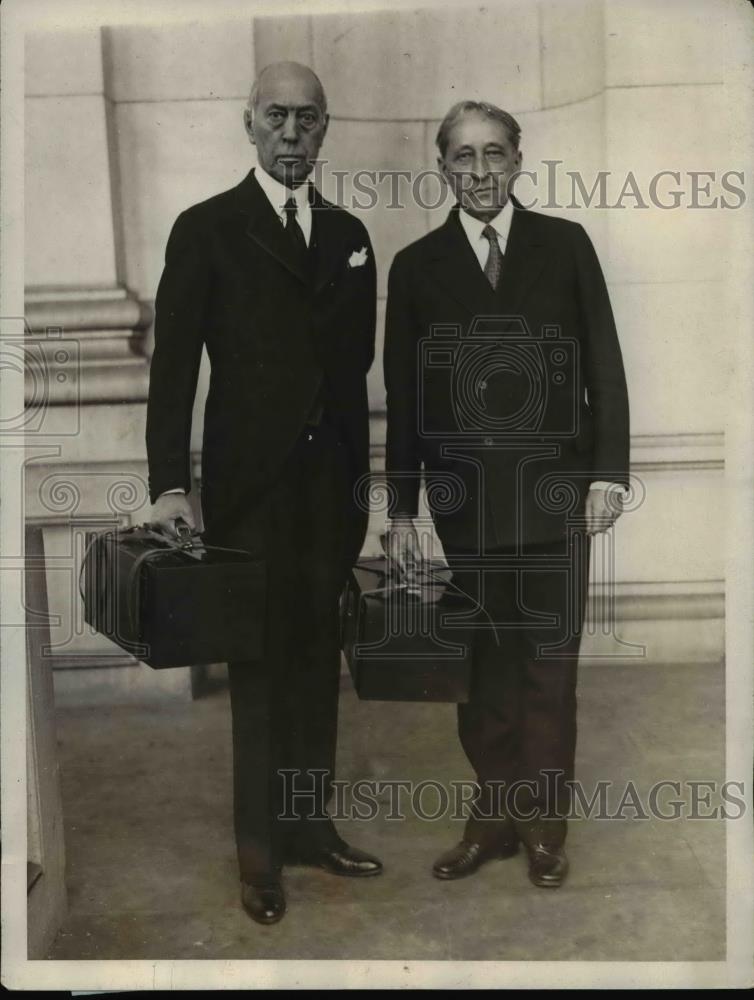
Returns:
point(279, 286)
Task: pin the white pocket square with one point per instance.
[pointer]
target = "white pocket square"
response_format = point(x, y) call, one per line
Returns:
point(358, 258)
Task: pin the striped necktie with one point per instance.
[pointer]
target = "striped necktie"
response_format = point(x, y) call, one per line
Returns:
point(494, 259)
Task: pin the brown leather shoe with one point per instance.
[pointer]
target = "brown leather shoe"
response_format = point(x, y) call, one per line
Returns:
point(548, 865)
point(263, 901)
point(467, 856)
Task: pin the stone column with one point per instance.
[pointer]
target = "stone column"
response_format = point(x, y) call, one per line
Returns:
point(86, 362)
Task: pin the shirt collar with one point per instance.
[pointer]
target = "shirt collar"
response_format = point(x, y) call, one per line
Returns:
point(501, 223)
point(278, 194)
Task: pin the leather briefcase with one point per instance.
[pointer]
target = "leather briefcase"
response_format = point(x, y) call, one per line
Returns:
point(404, 642)
point(173, 602)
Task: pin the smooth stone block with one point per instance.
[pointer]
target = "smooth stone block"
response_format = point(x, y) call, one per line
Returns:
point(409, 64)
point(680, 129)
point(201, 60)
point(661, 43)
point(656, 642)
point(676, 328)
point(674, 533)
point(172, 155)
point(283, 39)
point(573, 41)
point(67, 167)
point(63, 62)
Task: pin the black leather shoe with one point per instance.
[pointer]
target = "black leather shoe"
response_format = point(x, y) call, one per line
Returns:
point(467, 856)
point(342, 860)
point(263, 901)
point(548, 866)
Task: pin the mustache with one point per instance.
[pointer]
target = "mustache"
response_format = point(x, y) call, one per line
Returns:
point(469, 185)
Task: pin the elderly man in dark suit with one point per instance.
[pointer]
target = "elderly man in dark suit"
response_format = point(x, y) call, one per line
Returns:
point(505, 382)
point(279, 285)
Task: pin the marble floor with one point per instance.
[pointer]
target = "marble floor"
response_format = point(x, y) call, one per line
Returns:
point(151, 858)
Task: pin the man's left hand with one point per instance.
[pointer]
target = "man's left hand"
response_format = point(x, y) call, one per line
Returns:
point(603, 508)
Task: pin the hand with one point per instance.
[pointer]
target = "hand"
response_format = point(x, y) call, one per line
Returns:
point(402, 544)
point(603, 508)
point(167, 508)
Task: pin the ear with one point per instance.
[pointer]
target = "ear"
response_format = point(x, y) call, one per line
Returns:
point(324, 126)
point(248, 123)
point(443, 168)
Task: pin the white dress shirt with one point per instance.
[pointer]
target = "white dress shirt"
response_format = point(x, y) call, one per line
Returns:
point(481, 247)
point(278, 194)
point(473, 229)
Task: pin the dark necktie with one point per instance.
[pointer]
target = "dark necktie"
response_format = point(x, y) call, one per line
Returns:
point(495, 258)
point(293, 228)
point(296, 234)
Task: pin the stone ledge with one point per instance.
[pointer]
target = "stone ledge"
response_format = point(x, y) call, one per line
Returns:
point(85, 345)
point(649, 452)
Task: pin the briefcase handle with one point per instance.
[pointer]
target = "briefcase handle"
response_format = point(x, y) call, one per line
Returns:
point(185, 537)
point(166, 542)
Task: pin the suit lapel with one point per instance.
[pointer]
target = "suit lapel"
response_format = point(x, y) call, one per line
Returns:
point(524, 259)
point(264, 227)
point(330, 240)
point(457, 268)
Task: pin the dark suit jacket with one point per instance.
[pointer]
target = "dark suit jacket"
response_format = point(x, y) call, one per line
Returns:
point(274, 332)
point(512, 419)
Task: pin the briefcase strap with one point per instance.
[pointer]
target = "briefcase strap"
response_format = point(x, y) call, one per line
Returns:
point(428, 573)
point(143, 530)
point(166, 544)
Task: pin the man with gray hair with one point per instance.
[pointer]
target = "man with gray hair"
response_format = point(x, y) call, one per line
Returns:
point(279, 286)
point(504, 378)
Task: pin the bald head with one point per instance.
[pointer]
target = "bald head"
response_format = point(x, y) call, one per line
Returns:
point(281, 77)
point(286, 119)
